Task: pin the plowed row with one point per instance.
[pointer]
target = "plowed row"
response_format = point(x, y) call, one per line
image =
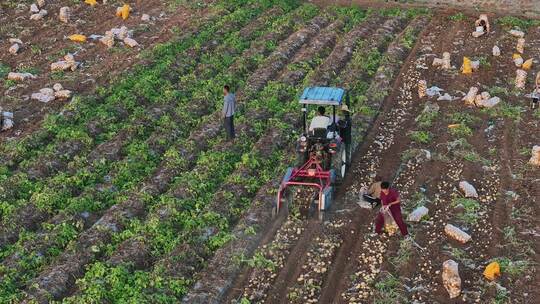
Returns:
point(129, 188)
point(338, 259)
point(133, 195)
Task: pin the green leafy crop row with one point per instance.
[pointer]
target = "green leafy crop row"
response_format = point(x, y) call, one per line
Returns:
point(137, 160)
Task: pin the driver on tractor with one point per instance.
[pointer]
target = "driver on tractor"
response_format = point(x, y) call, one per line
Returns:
point(320, 121)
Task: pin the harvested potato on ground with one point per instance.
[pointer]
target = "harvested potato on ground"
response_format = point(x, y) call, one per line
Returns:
point(42, 13)
point(521, 79)
point(14, 49)
point(63, 94)
point(131, 42)
point(65, 14)
point(20, 76)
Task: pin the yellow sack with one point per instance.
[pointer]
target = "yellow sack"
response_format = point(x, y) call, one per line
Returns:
point(467, 67)
point(91, 2)
point(77, 38)
point(123, 12)
point(516, 56)
point(527, 65)
point(492, 271)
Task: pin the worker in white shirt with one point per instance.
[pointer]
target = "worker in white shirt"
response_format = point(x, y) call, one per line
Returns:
point(320, 121)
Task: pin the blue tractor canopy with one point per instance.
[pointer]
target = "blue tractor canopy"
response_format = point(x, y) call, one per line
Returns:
point(324, 96)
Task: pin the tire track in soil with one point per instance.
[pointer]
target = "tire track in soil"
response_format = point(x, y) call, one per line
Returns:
point(292, 268)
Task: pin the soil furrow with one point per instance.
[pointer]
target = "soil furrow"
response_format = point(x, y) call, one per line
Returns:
point(57, 279)
point(47, 239)
point(342, 52)
point(48, 43)
point(37, 214)
point(341, 266)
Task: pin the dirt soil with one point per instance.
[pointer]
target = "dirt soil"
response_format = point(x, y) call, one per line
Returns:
point(45, 42)
point(335, 257)
point(359, 263)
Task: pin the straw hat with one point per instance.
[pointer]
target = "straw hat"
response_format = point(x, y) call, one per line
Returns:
point(345, 108)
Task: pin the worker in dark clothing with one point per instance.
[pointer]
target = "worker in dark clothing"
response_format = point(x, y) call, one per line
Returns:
point(229, 107)
point(390, 203)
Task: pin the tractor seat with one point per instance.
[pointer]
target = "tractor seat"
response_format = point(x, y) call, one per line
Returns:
point(320, 132)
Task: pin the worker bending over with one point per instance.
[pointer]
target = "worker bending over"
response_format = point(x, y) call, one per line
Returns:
point(391, 203)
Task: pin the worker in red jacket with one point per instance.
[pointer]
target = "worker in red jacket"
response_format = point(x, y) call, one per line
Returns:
point(390, 203)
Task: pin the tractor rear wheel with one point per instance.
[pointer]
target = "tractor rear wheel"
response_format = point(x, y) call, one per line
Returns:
point(339, 163)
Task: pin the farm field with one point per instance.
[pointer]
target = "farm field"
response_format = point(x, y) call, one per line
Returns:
point(129, 192)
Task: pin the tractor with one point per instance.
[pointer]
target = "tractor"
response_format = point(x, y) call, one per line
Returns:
point(323, 154)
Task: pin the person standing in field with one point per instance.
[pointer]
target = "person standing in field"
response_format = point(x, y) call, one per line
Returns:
point(229, 106)
point(390, 203)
